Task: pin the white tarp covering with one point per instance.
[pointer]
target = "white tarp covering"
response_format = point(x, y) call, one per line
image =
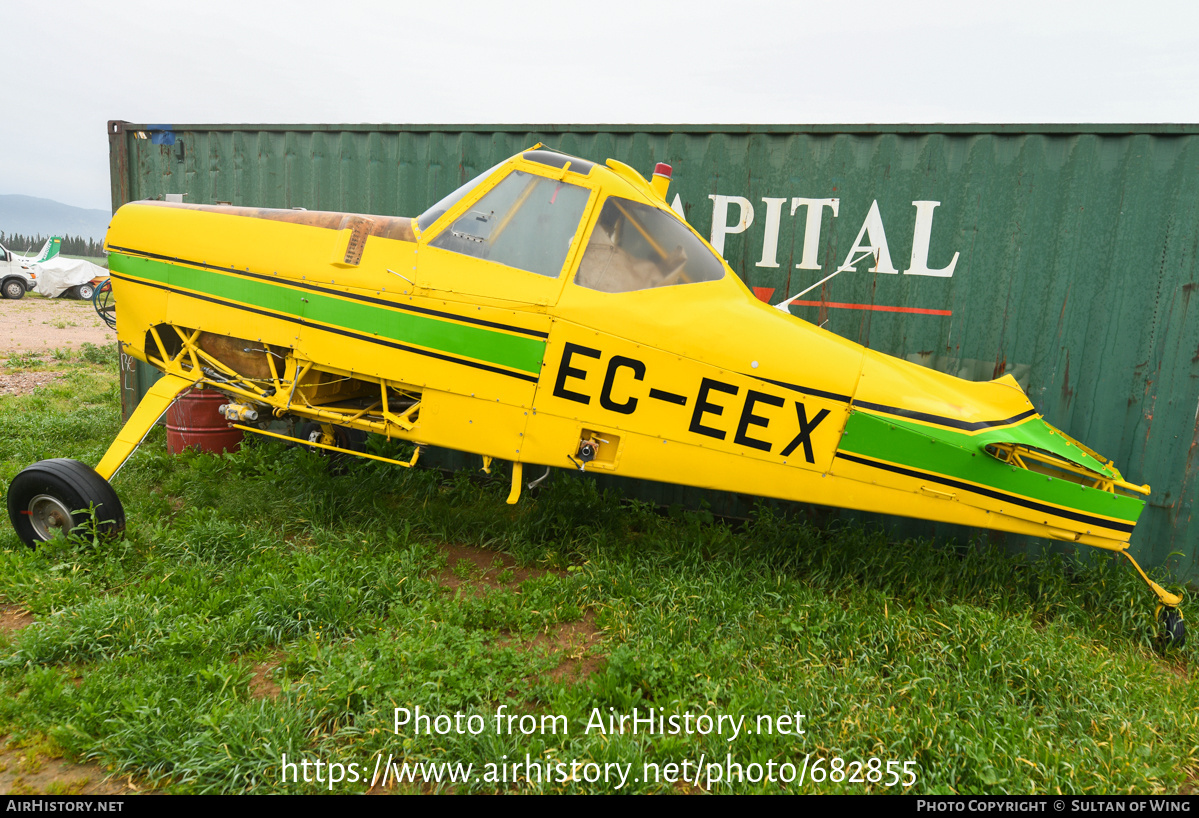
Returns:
point(56, 276)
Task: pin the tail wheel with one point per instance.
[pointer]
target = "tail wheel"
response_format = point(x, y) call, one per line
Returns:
point(1171, 628)
point(59, 496)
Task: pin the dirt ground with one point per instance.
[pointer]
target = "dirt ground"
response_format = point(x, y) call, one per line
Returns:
point(33, 769)
point(40, 325)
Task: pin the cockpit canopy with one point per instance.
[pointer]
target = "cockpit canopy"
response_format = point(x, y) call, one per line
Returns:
point(528, 222)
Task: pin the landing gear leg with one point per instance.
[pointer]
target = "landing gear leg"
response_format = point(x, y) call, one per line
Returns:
point(1173, 630)
point(155, 403)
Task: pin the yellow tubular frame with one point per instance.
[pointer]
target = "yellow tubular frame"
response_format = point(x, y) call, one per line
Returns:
point(1017, 454)
point(193, 368)
point(196, 366)
point(405, 463)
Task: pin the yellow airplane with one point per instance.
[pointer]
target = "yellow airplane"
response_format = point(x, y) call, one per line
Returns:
point(555, 311)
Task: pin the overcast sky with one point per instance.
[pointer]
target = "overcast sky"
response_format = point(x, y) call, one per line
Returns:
point(72, 65)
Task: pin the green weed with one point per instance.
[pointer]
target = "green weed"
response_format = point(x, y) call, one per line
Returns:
point(100, 355)
point(23, 360)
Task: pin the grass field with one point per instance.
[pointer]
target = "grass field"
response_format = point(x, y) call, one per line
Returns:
point(263, 604)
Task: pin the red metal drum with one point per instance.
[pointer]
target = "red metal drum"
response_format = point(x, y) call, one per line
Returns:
point(194, 421)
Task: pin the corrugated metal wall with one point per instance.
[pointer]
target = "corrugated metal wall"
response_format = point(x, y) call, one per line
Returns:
point(1065, 255)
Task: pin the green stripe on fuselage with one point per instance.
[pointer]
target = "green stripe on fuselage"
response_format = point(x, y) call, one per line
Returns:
point(479, 343)
point(962, 457)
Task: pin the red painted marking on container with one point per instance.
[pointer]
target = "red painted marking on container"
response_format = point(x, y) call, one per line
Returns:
point(764, 293)
point(872, 307)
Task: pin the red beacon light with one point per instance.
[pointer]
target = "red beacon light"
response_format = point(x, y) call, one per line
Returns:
point(661, 181)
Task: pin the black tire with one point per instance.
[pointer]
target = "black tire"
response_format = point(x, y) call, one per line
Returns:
point(13, 289)
point(84, 292)
point(1171, 628)
point(57, 495)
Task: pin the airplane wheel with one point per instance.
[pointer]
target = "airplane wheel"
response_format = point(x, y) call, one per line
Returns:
point(85, 292)
point(1172, 629)
point(57, 495)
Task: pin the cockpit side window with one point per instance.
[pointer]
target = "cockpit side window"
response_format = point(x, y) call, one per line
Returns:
point(637, 247)
point(526, 221)
point(435, 212)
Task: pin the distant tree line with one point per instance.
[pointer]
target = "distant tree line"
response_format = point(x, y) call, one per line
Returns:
point(71, 245)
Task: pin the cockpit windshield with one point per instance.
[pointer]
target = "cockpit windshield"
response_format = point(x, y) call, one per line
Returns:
point(637, 247)
point(526, 221)
point(434, 213)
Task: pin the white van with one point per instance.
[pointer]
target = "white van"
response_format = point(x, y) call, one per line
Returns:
point(18, 274)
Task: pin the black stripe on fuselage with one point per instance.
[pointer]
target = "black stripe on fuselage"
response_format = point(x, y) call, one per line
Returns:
point(302, 285)
point(994, 494)
point(335, 330)
point(944, 421)
point(939, 420)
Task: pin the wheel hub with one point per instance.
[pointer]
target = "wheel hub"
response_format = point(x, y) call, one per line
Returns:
point(48, 514)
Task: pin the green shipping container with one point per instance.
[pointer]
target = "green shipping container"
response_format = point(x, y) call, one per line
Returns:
point(1062, 254)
